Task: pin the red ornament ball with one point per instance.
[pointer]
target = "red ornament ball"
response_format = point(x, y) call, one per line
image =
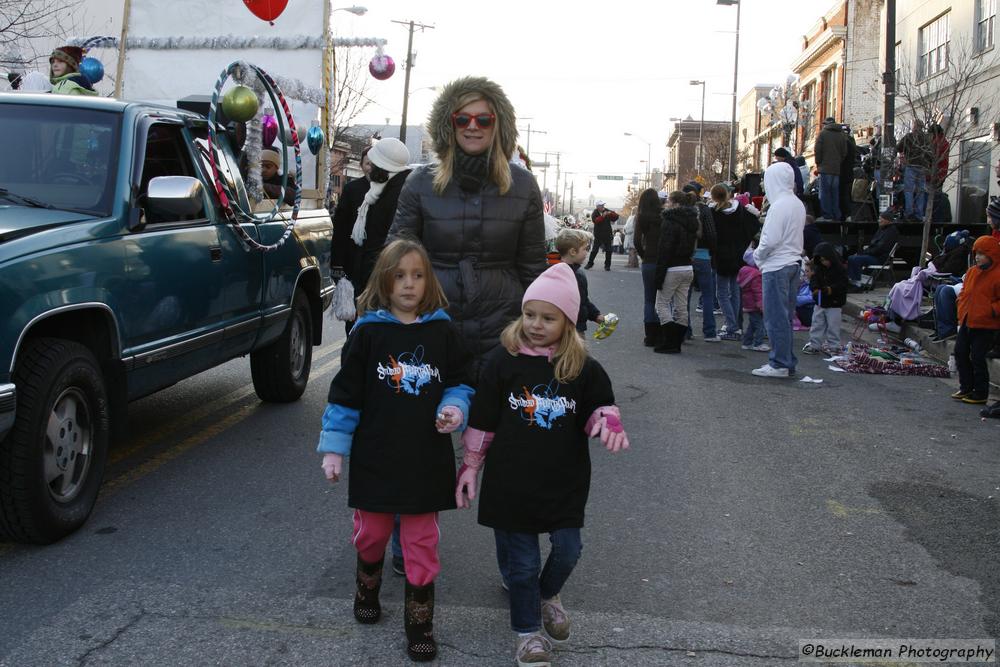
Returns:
point(382, 67)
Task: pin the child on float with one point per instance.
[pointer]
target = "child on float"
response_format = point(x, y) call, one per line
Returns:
point(400, 391)
point(64, 72)
point(538, 400)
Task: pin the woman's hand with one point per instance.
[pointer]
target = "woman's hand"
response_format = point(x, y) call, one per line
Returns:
point(332, 465)
point(449, 419)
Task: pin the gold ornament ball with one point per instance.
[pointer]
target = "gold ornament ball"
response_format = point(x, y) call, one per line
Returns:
point(239, 104)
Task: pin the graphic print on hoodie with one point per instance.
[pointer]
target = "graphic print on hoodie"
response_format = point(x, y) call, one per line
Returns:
point(407, 372)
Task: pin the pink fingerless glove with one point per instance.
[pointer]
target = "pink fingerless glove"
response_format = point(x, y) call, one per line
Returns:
point(332, 464)
point(605, 422)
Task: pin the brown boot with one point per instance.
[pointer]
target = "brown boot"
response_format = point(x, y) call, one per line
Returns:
point(369, 579)
point(418, 620)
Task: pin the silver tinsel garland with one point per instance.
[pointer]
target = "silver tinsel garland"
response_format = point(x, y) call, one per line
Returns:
point(228, 42)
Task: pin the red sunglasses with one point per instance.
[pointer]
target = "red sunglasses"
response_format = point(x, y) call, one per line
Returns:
point(484, 121)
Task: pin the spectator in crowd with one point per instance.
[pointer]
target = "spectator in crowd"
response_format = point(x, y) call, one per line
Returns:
point(916, 155)
point(877, 251)
point(647, 240)
point(751, 300)
point(602, 218)
point(779, 258)
point(674, 273)
point(831, 149)
point(735, 228)
point(479, 216)
point(979, 320)
point(828, 284)
point(572, 246)
point(703, 264)
point(782, 154)
point(847, 175)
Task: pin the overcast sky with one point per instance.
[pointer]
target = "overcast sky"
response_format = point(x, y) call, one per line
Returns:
point(587, 72)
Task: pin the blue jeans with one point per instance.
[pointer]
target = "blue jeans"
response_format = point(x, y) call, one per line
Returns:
point(856, 262)
point(945, 310)
point(648, 271)
point(753, 334)
point(729, 301)
point(519, 558)
point(705, 277)
point(914, 191)
point(780, 290)
point(829, 195)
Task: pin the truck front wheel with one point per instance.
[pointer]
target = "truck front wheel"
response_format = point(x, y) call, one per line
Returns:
point(280, 371)
point(52, 461)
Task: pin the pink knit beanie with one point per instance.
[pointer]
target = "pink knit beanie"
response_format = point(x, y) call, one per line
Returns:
point(557, 285)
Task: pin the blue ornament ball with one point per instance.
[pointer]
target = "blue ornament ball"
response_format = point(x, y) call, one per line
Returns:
point(315, 139)
point(92, 69)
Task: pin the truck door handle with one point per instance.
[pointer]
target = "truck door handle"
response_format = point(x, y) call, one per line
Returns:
point(216, 253)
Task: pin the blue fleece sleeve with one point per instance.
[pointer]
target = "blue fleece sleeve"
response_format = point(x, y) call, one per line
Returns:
point(461, 397)
point(339, 424)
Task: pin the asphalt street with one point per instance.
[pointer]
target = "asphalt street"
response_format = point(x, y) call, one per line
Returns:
point(750, 513)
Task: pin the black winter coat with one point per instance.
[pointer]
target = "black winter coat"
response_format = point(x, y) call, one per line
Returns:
point(678, 236)
point(709, 238)
point(828, 285)
point(344, 250)
point(361, 260)
point(602, 224)
point(486, 248)
point(734, 231)
point(647, 235)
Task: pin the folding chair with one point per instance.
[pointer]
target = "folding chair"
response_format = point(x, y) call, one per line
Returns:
point(870, 280)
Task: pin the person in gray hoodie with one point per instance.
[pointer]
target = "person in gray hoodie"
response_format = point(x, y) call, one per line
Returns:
point(779, 258)
point(831, 149)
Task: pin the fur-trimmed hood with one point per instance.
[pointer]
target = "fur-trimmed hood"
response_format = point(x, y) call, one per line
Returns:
point(439, 122)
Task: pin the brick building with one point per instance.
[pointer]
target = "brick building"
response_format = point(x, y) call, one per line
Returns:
point(683, 150)
point(753, 141)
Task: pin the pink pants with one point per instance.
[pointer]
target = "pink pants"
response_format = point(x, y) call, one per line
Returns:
point(418, 533)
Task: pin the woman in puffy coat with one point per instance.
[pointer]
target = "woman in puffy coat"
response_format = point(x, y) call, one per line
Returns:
point(479, 216)
point(674, 270)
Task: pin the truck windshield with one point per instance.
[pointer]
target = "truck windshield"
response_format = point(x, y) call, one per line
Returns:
point(59, 157)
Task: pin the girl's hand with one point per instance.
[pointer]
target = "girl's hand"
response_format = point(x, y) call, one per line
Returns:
point(332, 464)
point(612, 434)
point(449, 419)
point(465, 487)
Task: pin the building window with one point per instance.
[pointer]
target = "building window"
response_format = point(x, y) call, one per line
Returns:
point(975, 180)
point(986, 13)
point(335, 181)
point(898, 55)
point(829, 87)
point(934, 41)
point(807, 112)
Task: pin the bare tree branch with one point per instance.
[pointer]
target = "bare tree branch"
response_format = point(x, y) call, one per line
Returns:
point(24, 24)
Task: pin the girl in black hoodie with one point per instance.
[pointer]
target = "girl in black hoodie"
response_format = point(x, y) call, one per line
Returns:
point(647, 240)
point(828, 284)
point(674, 271)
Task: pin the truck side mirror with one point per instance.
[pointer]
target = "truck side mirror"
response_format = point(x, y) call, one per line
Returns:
point(177, 195)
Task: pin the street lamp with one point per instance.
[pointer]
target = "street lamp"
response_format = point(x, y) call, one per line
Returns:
point(649, 154)
point(356, 10)
point(736, 71)
point(701, 126)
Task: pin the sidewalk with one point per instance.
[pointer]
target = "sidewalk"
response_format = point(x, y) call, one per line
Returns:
point(940, 351)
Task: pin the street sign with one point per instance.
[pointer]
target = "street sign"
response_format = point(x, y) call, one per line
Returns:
point(611, 178)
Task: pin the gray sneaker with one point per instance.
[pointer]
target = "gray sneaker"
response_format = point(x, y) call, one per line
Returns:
point(535, 650)
point(555, 620)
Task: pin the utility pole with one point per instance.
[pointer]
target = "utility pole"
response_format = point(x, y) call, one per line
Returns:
point(571, 188)
point(557, 177)
point(545, 172)
point(529, 131)
point(889, 110)
point(409, 65)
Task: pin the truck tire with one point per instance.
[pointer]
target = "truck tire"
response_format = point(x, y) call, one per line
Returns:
point(52, 460)
point(280, 371)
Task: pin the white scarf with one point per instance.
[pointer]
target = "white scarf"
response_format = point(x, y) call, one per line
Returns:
point(358, 234)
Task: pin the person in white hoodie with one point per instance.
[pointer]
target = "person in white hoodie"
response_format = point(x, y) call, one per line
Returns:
point(779, 258)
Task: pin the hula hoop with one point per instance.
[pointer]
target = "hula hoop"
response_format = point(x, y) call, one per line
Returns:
point(229, 201)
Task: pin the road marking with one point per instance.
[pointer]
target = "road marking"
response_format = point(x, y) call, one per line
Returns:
point(842, 511)
point(194, 440)
point(196, 416)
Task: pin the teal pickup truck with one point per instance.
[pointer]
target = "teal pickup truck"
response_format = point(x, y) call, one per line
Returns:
point(120, 276)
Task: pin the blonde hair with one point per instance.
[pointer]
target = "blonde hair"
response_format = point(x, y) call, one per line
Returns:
point(379, 288)
point(499, 164)
point(570, 239)
point(570, 354)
